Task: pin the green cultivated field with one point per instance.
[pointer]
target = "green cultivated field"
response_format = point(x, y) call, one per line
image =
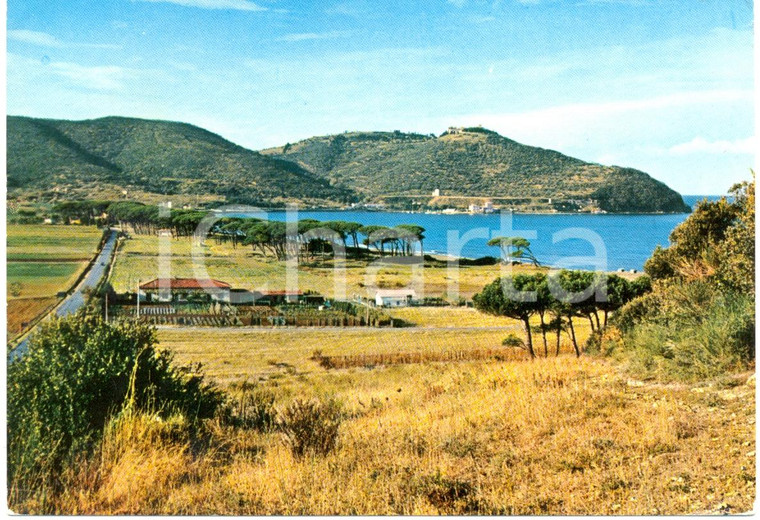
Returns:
point(52, 243)
point(42, 261)
point(43, 278)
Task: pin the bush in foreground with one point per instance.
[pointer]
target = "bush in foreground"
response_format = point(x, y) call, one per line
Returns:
point(311, 427)
point(699, 321)
point(77, 373)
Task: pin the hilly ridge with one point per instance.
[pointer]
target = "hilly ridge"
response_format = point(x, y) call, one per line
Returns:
point(472, 163)
point(155, 157)
point(144, 158)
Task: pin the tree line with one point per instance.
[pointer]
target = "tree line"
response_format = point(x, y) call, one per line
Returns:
point(307, 238)
point(558, 299)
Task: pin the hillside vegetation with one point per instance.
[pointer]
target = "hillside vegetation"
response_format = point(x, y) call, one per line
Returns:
point(159, 157)
point(116, 157)
point(474, 162)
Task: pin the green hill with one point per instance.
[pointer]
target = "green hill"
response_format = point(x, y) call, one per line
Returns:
point(474, 163)
point(116, 154)
point(104, 158)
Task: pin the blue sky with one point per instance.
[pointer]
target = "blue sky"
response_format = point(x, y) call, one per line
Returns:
point(666, 86)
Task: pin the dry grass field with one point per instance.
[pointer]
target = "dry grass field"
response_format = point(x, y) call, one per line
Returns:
point(448, 317)
point(138, 260)
point(232, 355)
point(553, 436)
point(24, 310)
point(419, 436)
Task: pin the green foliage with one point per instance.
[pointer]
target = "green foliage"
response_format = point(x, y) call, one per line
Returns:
point(79, 371)
point(699, 320)
point(706, 339)
point(514, 248)
point(716, 242)
point(154, 156)
point(736, 253)
point(562, 295)
point(513, 341)
point(311, 427)
point(636, 311)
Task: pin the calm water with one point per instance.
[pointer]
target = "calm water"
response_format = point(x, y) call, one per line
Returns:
point(628, 239)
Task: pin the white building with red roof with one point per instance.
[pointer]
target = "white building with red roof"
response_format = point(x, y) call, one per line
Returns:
point(184, 290)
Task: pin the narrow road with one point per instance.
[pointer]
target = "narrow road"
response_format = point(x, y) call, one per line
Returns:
point(76, 300)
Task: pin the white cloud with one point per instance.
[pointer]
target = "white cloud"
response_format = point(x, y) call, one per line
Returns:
point(574, 112)
point(34, 37)
point(298, 37)
point(48, 40)
point(239, 5)
point(703, 146)
point(101, 77)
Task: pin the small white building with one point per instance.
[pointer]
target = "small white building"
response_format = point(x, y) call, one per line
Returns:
point(394, 297)
point(436, 192)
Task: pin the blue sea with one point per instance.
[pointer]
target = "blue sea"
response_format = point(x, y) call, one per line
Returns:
point(582, 241)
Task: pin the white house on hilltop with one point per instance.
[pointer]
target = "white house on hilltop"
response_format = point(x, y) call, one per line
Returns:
point(394, 297)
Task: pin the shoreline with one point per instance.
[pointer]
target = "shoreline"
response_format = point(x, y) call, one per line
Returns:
point(466, 213)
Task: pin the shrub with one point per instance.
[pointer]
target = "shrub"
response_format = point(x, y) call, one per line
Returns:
point(78, 372)
point(593, 344)
point(636, 311)
point(251, 406)
point(721, 338)
point(310, 427)
point(513, 341)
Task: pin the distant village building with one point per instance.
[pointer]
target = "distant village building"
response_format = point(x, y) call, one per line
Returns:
point(436, 192)
point(487, 207)
point(394, 297)
point(455, 129)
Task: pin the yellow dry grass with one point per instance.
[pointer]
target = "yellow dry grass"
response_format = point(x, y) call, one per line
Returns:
point(232, 354)
point(23, 311)
point(138, 260)
point(448, 317)
point(554, 436)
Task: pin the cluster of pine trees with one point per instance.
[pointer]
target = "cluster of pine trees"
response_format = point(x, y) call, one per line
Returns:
point(558, 298)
